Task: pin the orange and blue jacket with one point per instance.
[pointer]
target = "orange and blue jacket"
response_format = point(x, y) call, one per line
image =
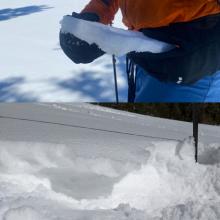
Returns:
point(139, 14)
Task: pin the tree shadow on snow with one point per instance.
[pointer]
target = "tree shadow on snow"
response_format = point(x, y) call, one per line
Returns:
point(9, 13)
point(98, 88)
point(87, 86)
point(9, 93)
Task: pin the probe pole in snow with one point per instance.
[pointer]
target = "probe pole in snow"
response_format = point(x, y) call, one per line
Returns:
point(196, 128)
point(115, 77)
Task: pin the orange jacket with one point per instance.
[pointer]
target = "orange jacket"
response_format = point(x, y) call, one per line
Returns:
point(139, 14)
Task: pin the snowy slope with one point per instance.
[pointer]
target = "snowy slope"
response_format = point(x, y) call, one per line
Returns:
point(63, 161)
point(32, 65)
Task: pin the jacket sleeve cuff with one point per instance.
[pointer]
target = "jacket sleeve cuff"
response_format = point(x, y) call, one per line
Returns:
point(106, 13)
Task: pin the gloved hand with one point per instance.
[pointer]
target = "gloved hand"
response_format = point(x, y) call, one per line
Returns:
point(153, 64)
point(77, 50)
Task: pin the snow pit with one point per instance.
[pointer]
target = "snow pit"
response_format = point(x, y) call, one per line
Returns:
point(168, 186)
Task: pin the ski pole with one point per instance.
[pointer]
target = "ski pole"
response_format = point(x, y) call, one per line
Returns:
point(196, 128)
point(115, 78)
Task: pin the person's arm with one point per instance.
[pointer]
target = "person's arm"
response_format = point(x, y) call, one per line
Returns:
point(105, 9)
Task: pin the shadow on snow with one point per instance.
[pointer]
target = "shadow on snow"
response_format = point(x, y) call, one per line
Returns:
point(99, 89)
point(9, 13)
point(9, 93)
point(86, 85)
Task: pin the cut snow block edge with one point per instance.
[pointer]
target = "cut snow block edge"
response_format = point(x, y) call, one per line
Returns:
point(114, 41)
point(23, 213)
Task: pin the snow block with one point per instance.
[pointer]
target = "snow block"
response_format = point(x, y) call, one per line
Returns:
point(112, 40)
point(21, 213)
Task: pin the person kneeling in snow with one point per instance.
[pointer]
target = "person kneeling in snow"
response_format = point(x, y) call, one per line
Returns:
point(187, 73)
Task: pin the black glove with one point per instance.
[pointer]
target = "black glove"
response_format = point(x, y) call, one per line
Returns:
point(150, 63)
point(77, 50)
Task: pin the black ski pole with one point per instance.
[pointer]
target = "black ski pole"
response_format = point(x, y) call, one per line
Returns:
point(196, 128)
point(115, 78)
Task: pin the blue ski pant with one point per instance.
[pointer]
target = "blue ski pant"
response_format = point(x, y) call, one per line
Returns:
point(149, 89)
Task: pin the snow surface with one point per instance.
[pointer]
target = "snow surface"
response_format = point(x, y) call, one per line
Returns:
point(114, 41)
point(63, 161)
point(33, 66)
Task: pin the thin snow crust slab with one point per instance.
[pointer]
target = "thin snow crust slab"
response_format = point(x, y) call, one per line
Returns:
point(112, 40)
